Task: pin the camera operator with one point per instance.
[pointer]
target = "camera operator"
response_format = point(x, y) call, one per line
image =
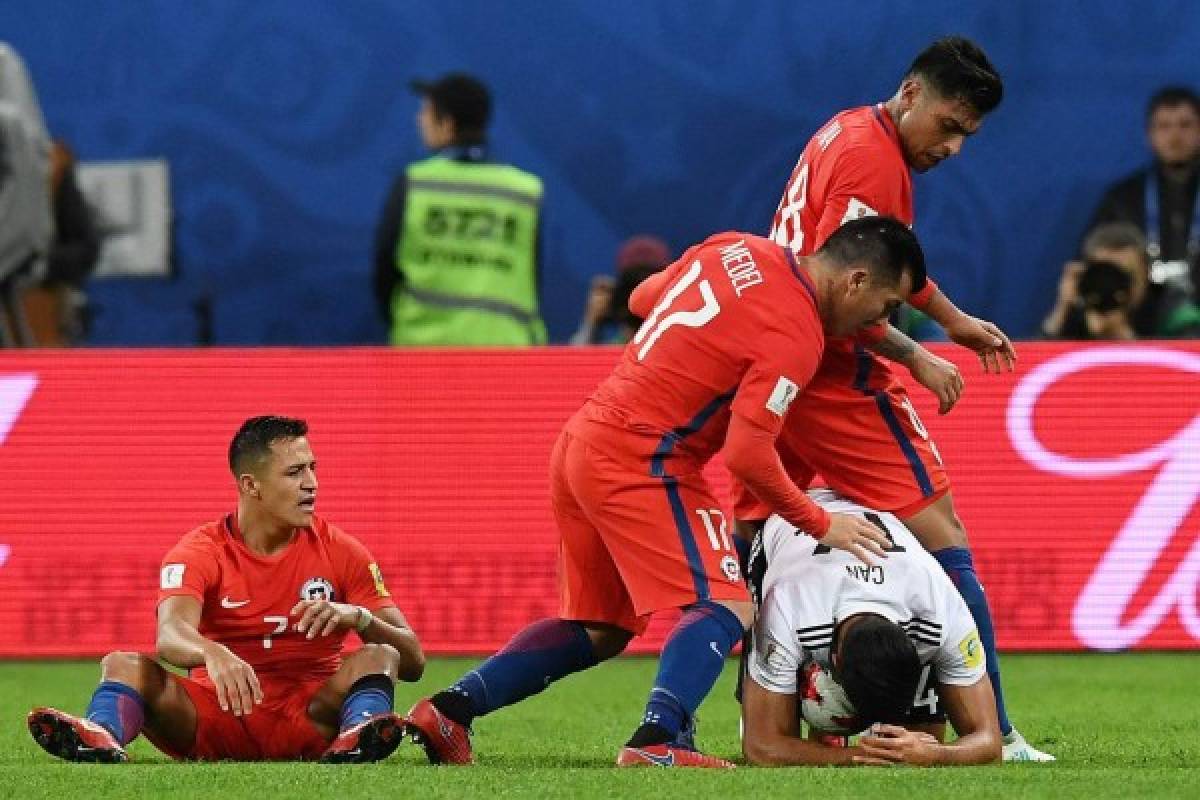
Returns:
point(606, 317)
point(1161, 200)
point(1094, 302)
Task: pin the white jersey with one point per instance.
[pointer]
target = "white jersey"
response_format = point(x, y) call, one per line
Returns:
point(808, 588)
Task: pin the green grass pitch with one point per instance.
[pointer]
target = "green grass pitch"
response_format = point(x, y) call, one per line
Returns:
point(1123, 726)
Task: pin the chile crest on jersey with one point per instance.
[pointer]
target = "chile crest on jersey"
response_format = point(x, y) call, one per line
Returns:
point(317, 589)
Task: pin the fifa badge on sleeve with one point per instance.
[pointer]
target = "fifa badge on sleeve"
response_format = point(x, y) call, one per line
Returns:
point(377, 577)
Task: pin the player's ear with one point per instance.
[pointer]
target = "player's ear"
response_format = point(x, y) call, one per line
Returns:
point(910, 90)
point(859, 278)
point(248, 485)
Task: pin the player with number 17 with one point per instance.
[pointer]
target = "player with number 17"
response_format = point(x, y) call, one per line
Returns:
point(733, 331)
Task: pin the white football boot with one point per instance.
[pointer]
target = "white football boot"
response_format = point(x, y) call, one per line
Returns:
point(1017, 749)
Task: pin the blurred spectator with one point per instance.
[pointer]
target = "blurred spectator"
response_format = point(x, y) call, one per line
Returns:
point(1161, 199)
point(456, 250)
point(54, 307)
point(1109, 294)
point(606, 316)
point(26, 224)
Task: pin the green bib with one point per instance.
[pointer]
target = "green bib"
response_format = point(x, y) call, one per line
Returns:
point(467, 255)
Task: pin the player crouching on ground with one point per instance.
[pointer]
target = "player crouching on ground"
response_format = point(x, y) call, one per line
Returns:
point(845, 646)
point(257, 606)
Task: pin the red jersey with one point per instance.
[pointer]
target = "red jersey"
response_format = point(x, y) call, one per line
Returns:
point(852, 167)
point(246, 596)
point(733, 328)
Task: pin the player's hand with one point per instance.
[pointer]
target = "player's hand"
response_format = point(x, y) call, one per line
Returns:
point(235, 681)
point(987, 341)
point(891, 745)
point(856, 536)
point(321, 617)
point(940, 377)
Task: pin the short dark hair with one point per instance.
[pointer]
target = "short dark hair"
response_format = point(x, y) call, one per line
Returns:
point(252, 442)
point(958, 69)
point(461, 97)
point(879, 668)
point(1170, 97)
point(884, 243)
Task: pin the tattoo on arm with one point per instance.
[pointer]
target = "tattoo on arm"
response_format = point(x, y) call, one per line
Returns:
point(896, 346)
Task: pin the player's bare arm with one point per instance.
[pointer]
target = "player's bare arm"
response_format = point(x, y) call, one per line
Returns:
point(986, 340)
point(772, 736)
point(938, 375)
point(385, 626)
point(180, 643)
point(972, 711)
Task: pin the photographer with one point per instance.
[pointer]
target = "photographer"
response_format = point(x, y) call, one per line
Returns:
point(606, 316)
point(1110, 295)
point(1161, 198)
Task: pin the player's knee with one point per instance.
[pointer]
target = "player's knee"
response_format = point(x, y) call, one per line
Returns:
point(955, 527)
point(378, 657)
point(938, 526)
point(742, 609)
point(131, 669)
point(607, 640)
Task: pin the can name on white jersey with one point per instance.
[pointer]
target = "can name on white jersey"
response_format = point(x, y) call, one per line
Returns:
point(808, 588)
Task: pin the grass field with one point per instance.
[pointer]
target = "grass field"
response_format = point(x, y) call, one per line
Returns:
point(1122, 726)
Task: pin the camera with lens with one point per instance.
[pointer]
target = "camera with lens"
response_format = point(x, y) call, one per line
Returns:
point(1104, 286)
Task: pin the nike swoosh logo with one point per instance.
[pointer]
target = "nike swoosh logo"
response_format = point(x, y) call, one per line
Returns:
point(663, 761)
point(227, 603)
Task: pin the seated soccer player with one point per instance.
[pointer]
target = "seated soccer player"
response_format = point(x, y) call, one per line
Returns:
point(891, 647)
point(257, 605)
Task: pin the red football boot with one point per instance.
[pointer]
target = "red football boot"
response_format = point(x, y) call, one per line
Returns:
point(373, 739)
point(666, 755)
point(74, 739)
point(445, 741)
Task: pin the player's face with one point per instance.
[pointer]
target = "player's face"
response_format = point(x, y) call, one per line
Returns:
point(287, 482)
point(865, 303)
point(1174, 133)
point(932, 128)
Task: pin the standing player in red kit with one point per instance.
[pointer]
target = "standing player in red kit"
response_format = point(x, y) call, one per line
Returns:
point(855, 424)
point(733, 333)
point(256, 606)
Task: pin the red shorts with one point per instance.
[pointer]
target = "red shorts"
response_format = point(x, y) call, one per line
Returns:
point(278, 730)
point(632, 543)
point(869, 447)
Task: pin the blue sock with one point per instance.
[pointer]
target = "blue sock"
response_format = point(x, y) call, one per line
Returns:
point(119, 708)
point(533, 659)
point(691, 662)
point(961, 569)
point(367, 697)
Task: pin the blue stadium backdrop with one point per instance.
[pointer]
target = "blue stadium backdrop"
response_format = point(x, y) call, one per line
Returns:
point(285, 121)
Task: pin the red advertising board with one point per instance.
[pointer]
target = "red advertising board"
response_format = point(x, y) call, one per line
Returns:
point(1077, 477)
